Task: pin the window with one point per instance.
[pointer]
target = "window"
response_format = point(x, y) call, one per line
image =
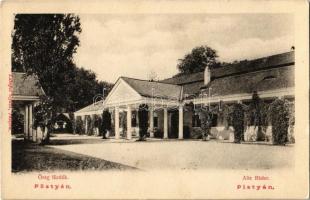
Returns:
point(269, 77)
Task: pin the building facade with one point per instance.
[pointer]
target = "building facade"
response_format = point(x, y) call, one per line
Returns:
point(25, 95)
point(174, 103)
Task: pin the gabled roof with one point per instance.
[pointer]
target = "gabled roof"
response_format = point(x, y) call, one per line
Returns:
point(154, 89)
point(24, 85)
point(92, 107)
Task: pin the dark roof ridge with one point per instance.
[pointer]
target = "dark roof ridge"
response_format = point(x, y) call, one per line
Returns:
point(182, 75)
point(149, 81)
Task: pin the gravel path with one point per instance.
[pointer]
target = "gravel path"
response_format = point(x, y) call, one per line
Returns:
point(173, 154)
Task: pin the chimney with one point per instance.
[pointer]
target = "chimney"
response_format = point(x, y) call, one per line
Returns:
point(207, 75)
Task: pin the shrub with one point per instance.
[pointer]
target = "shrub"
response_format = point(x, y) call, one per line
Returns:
point(206, 122)
point(291, 137)
point(79, 129)
point(88, 120)
point(279, 116)
point(105, 123)
point(17, 122)
point(158, 133)
point(143, 120)
point(123, 122)
point(256, 115)
point(238, 122)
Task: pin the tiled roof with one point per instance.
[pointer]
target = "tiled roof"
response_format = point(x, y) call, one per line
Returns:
point(92, 107)
point(192, 89)
point(273, 61)
point(238, 68)
point(185, 79)
point(154, 89)
point(24, 85)
point(263, 80)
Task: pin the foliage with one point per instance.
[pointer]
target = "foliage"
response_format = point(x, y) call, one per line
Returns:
point(44, 45)
point(158, 133)
point(44, 116)
point(238, 121)
point(70, 126)
point(84, 88)
point(291, 110)
point(88, 121)
point(279, 115)
point(96, 121)
point(123, 123)
point(17, 121)
point(226, 115)
point(143, 120)
point(79, 128)
point(106, 122)
point(206, 121)
point(197, 60)
point(256, 114)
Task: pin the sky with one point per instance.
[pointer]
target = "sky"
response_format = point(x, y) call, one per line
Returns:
point(137, 45)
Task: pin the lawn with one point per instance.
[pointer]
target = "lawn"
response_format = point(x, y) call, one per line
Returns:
point(30, 157)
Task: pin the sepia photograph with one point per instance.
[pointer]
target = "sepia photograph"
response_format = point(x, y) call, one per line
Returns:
point(144, 100)
point(108, 103)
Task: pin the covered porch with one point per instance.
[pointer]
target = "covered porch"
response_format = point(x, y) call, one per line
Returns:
point(162, 102)
point(26, 94)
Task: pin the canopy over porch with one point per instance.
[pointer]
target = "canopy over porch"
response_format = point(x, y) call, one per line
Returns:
point(128, 94)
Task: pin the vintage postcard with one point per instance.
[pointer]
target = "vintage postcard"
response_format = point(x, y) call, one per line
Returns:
point(155, 99)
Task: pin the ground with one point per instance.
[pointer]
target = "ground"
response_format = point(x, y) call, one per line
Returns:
point(88, 152)
point(29, 157)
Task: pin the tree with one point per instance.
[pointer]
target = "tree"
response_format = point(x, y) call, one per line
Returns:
point(44, 117)
point(197, 60)
point(44, 45)
point(84, 87)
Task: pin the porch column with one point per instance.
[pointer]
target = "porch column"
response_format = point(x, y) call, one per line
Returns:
point(151, 122)
point(83, 122)
point(129, 134)
point(116, 123)
point(35, 130)
point(86, 124)
point(30, 121)
point(165, 123)
point(181, 122)
point(26, 121)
